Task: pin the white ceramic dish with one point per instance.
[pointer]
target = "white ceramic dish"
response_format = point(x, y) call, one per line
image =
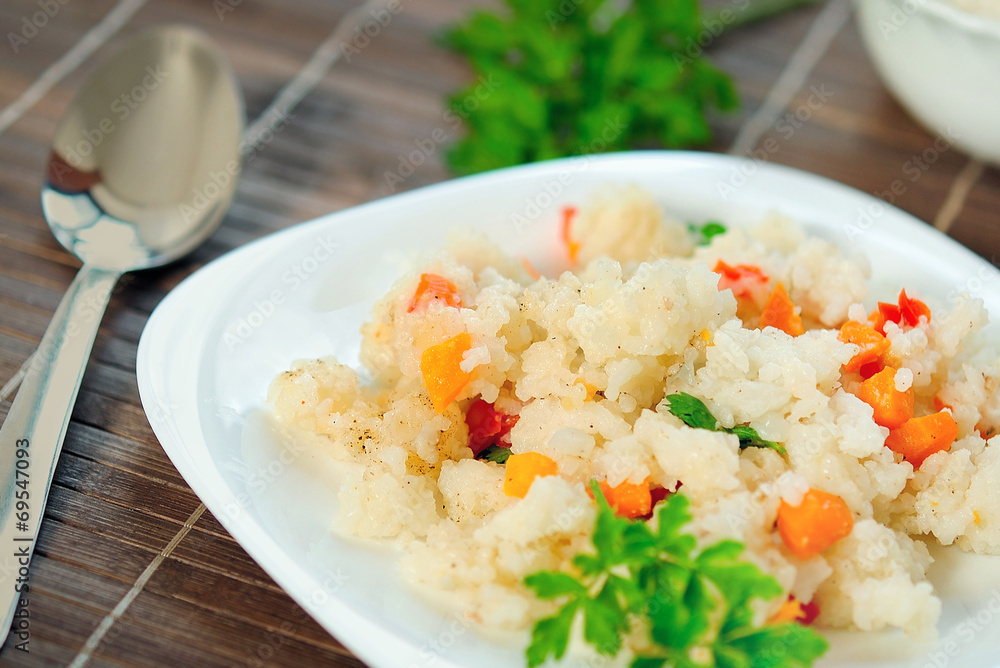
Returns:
point(941, 63)
point(213, 345)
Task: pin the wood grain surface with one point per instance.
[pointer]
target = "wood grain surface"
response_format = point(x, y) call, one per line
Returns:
point(121, 522)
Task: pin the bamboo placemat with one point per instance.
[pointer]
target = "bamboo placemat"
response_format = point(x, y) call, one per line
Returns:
point(129, 569)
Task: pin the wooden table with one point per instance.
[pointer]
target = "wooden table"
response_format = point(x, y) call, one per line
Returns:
point(130, 569)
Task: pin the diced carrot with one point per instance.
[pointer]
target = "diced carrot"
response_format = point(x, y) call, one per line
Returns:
point(741, 279)
point(779, 312)
point(921, 437)
point(815, 524)
point(443, 377)
point(939, 404)
point(572, 247)
point(910, 310)
point(627, 499)
point(432, 286)
point(892, 407)
point(790, 611)
point(523, 469)
point(873, 345)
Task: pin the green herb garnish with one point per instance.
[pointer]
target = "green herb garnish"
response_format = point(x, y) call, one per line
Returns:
point(495, 453)
point(695, 604)
point(703, 233)
point(558, 78)
point(694, 413)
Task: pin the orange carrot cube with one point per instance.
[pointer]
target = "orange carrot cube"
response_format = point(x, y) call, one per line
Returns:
point(523, 469)
point(628, 499)
point(892, 407)
point(873, 345)
point(779, 312)
point(921, 437)
point(433, 287)
point(443, 375)
point(814, 525)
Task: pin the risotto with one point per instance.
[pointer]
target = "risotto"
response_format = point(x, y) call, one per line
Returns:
point(491, 397)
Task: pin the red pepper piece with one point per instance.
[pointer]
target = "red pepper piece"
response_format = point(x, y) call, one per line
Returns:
point(488, 426)
point(741, 279)
point(910, 310)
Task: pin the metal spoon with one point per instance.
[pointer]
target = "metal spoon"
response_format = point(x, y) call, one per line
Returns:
point(143, 166)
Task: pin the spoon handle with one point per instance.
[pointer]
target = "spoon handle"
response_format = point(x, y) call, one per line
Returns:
point(32, 435)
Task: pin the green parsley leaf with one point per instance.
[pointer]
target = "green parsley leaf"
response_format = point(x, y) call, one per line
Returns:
point(648, 662)
point(778, 646)
point(691, 602)
point(703, 234)
point(749, 438)
point(694, 413)
point(550, 636)
point(550, 584)
point(604, 620)
point(495, 453)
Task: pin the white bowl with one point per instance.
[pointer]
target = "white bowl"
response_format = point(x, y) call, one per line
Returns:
point(943, 64)
point(211, 348)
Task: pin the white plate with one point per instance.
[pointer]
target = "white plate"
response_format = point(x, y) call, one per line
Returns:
point(213, 345)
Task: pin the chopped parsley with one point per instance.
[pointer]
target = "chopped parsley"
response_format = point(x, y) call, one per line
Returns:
point(495, 453)
point(703, 234)
point(694, 413)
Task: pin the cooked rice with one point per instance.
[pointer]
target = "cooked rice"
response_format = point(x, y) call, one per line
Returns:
point(645, 322)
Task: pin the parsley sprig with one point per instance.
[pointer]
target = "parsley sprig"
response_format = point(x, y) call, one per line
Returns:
point(557, 78)
point(495, 453)
point(694, 413)
point(696, 604)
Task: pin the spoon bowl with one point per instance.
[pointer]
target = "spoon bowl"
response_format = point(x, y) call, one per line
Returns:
point(144, 163)
point(142, 168)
